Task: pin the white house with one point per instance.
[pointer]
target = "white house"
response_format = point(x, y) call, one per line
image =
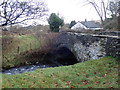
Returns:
point(92, 25)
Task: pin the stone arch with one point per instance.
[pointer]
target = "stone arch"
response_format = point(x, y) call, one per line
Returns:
point(65, 56)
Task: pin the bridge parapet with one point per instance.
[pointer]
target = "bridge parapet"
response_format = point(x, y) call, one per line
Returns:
point(89, 46)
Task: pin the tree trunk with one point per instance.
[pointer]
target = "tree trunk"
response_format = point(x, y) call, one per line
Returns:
point(102, 22)
point(118, 23)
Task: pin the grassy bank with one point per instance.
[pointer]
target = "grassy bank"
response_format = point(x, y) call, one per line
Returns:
point(13, 46)
point(100, 73)
point(24, 49)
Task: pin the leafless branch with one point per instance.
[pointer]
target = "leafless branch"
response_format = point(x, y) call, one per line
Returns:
point(100, 8)
point(13, 12)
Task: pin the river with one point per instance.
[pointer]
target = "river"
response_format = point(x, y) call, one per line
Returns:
point(23, 69)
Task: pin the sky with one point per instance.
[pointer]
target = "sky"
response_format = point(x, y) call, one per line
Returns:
point(69, 10)
point(72, 10)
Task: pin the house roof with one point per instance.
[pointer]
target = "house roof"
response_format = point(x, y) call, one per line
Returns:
point(91, 24)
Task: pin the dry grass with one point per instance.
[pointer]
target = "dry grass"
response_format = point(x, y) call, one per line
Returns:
point(47, 40)
point(29, 52)
point(46, 46)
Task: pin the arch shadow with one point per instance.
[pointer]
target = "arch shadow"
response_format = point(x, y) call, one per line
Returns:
point(62, 56)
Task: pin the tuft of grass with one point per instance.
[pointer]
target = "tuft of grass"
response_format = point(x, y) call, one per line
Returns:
point(100, 73)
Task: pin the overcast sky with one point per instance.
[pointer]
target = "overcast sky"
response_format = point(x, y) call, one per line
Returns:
point(72, 10)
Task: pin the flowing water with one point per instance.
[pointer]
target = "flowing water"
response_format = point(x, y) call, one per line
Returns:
point(22, 69)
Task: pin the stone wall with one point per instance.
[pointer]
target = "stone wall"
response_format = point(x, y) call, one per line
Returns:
point(86, 47)
point(113, 47)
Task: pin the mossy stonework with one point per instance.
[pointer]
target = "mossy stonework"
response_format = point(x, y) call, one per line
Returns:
point(86, 47)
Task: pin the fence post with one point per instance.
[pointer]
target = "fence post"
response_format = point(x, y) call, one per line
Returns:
point(18, 49)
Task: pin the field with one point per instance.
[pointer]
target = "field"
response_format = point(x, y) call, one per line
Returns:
point(100, 73)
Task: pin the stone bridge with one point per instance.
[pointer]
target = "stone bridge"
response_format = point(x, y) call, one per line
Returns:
point(89, 46)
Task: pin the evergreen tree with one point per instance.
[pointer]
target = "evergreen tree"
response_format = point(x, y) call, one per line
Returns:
point(72, 23)
point(55, 22)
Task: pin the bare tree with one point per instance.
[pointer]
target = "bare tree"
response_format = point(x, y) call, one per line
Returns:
point(16, 11)
point(113, 7)
point(101, 8)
